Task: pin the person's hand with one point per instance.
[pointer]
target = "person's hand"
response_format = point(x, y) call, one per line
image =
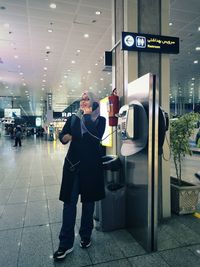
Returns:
point(87, 110)
point(66, 138)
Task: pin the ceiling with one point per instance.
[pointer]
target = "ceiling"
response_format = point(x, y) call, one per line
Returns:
point(185, 74)
point(29, 69)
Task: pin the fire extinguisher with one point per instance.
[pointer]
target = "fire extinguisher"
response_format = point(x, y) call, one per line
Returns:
point(113, 108)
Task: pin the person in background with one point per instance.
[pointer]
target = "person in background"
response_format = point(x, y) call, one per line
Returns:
point(82, 173)
point(18, 136)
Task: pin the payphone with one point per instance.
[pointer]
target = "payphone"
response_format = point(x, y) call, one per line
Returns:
point(133, 128)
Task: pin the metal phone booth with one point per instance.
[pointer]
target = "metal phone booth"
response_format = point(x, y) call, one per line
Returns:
point(141, 161)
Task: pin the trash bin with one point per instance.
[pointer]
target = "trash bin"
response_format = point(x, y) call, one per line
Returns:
point(110, 212)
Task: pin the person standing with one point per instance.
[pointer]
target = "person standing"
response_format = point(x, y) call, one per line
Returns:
point(18, 136)
point(82, 173)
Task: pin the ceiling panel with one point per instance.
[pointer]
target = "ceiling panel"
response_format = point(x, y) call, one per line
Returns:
point(27, 36)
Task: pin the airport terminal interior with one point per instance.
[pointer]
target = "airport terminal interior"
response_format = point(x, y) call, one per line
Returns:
point(50, 53)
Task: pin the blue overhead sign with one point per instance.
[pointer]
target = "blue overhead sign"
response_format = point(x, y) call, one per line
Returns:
point(150, 43)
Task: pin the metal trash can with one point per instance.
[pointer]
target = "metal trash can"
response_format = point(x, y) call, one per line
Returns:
point(110, 212)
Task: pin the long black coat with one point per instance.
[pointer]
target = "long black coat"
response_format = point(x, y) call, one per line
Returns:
point(86, 149)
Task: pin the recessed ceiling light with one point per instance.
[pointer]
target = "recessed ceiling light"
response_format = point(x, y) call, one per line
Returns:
point(193, 79)
point(69, 70)
point(199, 29)
point(196, 62)
point(89, 71)
point(192, 84)
point(16, 56)
point(96, 64)
point(52, 5)
point(50, 30)
point(44, 75)
point(19, 66)
point(24, 84)
point(86, 35)
point(98, 12)
point(170, 24)
point(48, 47)
point(46, 58)
point(6, 25)
point(42, 88)
point(73, 61)
point(65, 76)
point(78, 50)
point(43, 81)
point(21, 73)
point(45, 68)
point(101, 79)
point(197, 48)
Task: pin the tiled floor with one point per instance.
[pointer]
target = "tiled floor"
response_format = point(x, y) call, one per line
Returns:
point(30, 218)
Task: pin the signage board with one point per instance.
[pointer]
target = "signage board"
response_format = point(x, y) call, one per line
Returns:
point(108, 130)
point(38, 121)
point(12, 112)
point(150, 43)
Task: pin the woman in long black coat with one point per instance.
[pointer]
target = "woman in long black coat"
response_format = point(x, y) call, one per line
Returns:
point(82, 173)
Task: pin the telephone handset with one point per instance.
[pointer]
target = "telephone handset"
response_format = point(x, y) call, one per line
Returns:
point(95, 105)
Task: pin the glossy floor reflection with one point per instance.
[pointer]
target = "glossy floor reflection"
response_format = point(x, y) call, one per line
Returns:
point(30, 218)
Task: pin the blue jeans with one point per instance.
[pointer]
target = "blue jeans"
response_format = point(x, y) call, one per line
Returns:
point(69, 218)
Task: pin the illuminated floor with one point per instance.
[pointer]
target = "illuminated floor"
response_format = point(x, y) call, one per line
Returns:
point(30, 218)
